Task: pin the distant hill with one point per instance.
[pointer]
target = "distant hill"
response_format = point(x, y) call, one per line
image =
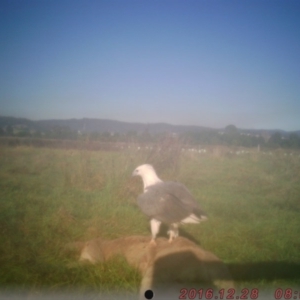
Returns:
point(86, 125)
point(102, 125)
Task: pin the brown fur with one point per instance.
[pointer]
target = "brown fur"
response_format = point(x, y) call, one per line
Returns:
point(166, 267)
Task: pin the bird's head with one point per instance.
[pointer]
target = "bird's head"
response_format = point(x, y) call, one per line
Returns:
point(142, 170)
point(147, 173)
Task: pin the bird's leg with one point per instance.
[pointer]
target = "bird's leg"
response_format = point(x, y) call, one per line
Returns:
point(154, 230)
point(171, 236)
point(173, 232)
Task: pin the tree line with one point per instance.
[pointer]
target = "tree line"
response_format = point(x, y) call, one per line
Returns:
point(230, 136)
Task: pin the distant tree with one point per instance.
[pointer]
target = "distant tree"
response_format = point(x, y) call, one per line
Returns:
point(231, 129)
point(294, 140)
point(275, 140)
point(232, 136)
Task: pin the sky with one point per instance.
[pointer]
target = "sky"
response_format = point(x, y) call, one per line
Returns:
point(190, 62)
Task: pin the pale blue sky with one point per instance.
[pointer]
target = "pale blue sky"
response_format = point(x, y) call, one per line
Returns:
point(202, 62)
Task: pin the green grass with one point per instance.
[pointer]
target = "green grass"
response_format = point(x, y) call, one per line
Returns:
point(50, 197)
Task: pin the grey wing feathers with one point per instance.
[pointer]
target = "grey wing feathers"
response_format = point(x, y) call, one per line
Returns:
point(169, 202)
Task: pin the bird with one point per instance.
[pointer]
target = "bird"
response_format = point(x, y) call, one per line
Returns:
point(166, 202)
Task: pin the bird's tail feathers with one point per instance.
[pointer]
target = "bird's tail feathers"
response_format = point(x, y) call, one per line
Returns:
point(192, 218)
point(203, 218)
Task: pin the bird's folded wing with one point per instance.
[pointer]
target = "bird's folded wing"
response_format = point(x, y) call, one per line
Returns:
point(168, 202)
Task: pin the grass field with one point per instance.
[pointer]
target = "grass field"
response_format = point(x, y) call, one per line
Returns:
point(50, 197)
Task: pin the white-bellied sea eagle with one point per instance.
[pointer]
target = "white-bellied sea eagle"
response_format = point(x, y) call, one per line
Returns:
point(166, 202)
